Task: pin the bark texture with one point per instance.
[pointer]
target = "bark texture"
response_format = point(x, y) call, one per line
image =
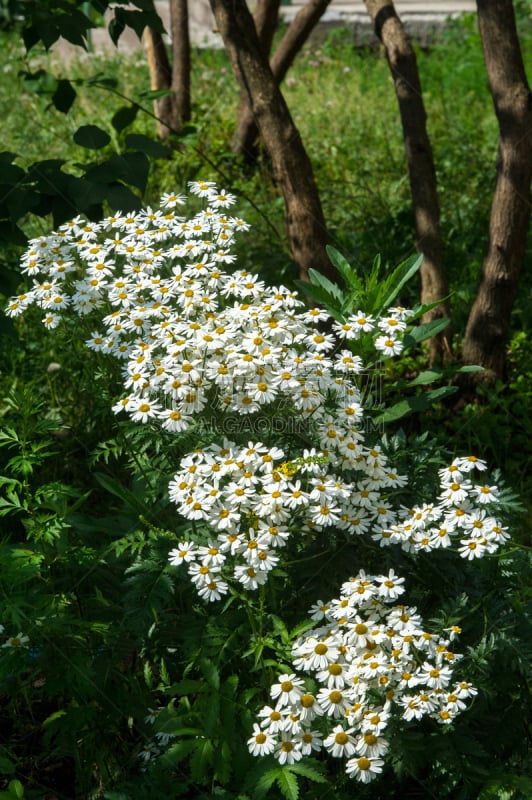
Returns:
point(160, 78)
point(266, 17)
point(173, 110)
point(402, 61)
point(179, 33)
point(488, 325)
point(290, 162)
point(297, 33)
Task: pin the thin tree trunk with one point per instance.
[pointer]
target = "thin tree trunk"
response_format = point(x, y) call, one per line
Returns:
point(265, 18)
point(180, 36)
point(290, 162)
point(174, 109)
point(297, 33)
point(488, 325)
point(403, 66)
point(160, 78)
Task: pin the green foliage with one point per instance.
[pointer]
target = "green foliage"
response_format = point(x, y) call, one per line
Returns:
point(85, 520)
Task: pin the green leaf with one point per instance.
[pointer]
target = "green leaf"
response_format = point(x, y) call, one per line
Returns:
point(115, 488)
point(320, 296)
point(64, 96)
point(345, 269)
point(6, 766)
point(317, 279)
point(471, 368)
point(395, 282)
point(287, 783)
point(427, 376)
point(124, 117)
point(212, 676)
point(156, 94)
point(310, 771)
point(425, 331)
point(91, 137)
point(137, 141)
point(54, 717)
point(413, 405)
point(177, 752)
point(265, 782)
point(201, 760)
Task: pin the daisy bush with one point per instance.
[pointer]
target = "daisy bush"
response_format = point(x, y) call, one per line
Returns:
point(279, 396)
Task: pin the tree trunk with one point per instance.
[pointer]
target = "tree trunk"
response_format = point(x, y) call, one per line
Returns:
point(160, 78)
point(403, 66)
point(179, 33)
point(244, 140)
point(265, 18)
point(173, 109)
point(290, 163)
point(488, 325)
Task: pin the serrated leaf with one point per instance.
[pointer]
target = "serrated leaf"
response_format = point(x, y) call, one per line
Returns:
point(287, 783)
point(201, 760)
point(280, 629)
point(345, 269)
point(265, 782)
point(309, 771)
point(301, 627)
point(92, 137)
point(177, 752)
point(317, 279)
point(320, 296)
point(212, 676)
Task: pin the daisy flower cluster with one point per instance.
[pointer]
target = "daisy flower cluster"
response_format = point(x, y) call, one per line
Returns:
point(198, 342)
point(368, 662)
point(192, 335)
point(461, 512)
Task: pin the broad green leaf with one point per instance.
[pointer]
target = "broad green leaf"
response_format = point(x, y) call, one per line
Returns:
point(471, 368)
point(124, 117)
point(395, 282)
point(421, 309)
point(345, 269)
point(92, 137)
point(427, 376)
point(152, 148)
point(413, 405)
point(64, 96)
point(425, 331)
